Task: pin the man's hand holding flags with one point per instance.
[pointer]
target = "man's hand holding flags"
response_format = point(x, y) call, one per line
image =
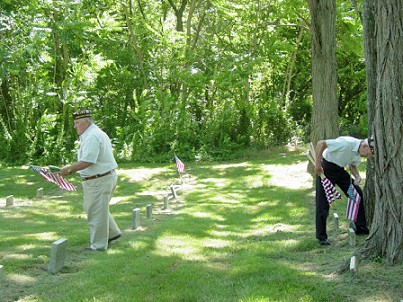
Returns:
point(53, 176)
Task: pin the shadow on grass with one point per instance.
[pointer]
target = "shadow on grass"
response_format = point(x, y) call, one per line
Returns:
point(233, 235)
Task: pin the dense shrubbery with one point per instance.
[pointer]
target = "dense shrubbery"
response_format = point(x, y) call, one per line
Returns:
point(206, 84)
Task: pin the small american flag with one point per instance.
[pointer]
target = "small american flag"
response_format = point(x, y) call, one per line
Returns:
point(179, 165)
point(330, 190)
point(353, 203)
point(54, 177)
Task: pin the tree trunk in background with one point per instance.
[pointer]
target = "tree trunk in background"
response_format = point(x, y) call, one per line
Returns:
point(386, 235)
point(370, 59)
point(324, 78)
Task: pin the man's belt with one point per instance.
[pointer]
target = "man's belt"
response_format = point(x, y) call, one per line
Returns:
point(97, 176)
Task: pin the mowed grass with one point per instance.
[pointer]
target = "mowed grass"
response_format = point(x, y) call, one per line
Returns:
point(239, 231)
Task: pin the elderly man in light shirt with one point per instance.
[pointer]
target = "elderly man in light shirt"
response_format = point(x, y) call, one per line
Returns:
point(332, 155)
point(96, 165)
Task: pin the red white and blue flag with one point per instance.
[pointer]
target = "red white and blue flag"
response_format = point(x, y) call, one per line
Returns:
point(54, 177)
point(330, 190)
point(353, 203)
point(180, 166)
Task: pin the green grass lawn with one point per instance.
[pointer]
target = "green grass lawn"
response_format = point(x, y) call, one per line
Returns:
point(239, 231)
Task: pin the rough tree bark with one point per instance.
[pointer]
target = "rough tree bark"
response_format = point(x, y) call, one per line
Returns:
point(368, 21)
point(385, 239)
point(324, 78)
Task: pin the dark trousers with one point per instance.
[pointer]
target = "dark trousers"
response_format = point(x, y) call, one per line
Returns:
point(338, 176)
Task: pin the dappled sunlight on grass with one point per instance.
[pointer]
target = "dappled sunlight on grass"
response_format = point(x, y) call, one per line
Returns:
point(240, 231)
point(228, 199)
point(233, 235)
point(289, 177)
point(288, 243)
point(140, 174)
point(21, 280)
point(45, 236)
point(234, 165)
point(217, 243)
point(116, 200)
point(210, 215)
point(216, 182)
point(268, 229)
point(185, 247)
point(138, 245)
point(15, 256)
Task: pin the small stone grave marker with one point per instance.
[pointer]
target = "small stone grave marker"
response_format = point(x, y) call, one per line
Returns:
point(353, 264)
point(39, 193)
point(173, 191)
point(149, 210)
point(165, 202)
point(9, 200)
point(352, 239)
point(336, 221)
point(57, 255)
point(135, 218)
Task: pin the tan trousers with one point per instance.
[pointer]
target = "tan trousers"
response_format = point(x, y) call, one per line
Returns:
point(97, 195)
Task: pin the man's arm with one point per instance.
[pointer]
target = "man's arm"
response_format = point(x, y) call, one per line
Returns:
point(320, 147)
point(356, 174)
point(80, 165)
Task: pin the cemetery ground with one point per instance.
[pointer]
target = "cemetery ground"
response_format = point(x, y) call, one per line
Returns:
point(241, 230)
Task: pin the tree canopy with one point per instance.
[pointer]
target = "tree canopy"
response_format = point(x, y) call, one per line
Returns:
point(205, 79)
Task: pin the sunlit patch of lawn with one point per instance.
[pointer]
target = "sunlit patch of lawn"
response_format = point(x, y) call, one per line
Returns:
point(239, 231)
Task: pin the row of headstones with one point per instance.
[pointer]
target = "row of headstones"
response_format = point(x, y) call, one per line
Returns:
point(39, 195)
point(136, 211)
point(10, 198)
point(59, 247)
point(352, 240)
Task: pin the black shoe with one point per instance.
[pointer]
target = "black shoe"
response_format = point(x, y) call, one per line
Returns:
point(362, 230)
point(324, 242)
point(114, 238)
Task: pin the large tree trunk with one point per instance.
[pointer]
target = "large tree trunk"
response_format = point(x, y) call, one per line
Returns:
point(324, 80)
point(386, 235)
point(370, 59)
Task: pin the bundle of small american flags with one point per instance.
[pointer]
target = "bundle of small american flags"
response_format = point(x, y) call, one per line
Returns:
point(353, 203)
point(331, 193)
point(54, 177)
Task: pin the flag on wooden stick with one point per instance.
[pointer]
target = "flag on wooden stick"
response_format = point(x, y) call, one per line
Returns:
point(54, 177)
point(180, 166)
point(331, 193)
point(330, 190)
point(353, 203)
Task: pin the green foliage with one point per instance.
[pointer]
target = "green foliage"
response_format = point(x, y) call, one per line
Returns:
point(236, 77)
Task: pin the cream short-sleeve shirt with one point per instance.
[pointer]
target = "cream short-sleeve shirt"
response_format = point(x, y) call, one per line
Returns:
point(343, 151)
point(96, 148)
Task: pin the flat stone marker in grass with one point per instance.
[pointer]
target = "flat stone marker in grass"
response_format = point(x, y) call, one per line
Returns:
point(336, 221)
point(9, 200)
point(57, 255)
point(135, 218)
point(173, 191)
point(149, 210)
point(353, 264)
point(352, 239)
point(166, 202)
point(39, 193)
